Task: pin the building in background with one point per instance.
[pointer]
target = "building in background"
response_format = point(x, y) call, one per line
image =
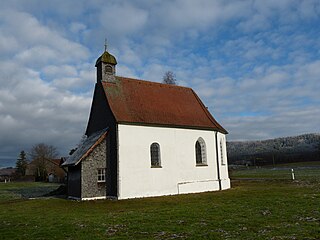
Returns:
point(53, 171)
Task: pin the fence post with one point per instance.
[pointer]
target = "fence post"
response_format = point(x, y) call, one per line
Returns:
point(292, 174)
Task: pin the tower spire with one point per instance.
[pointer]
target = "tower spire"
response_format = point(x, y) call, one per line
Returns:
point(105, 44)
point(106, 66)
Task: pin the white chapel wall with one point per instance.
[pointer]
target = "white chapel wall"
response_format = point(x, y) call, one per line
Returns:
point(224, 175)
point(178, 173)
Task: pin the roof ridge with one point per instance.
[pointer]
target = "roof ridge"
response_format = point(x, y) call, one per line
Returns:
point(154, 83)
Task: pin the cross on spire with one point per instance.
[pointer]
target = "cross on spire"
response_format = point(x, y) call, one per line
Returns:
point(105, 44)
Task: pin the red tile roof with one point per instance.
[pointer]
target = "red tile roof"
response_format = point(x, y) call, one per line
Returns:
point(56, 161)
point(148, 103)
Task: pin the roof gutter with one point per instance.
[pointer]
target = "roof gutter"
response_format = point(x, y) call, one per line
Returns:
point(170, 126)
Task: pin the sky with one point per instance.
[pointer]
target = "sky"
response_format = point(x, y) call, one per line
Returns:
point(254, 63)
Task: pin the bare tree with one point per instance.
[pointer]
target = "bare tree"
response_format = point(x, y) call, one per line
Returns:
point(41, 155)
point(169, 78)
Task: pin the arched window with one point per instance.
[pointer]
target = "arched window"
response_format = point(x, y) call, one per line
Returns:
point(221, 153)
point(155, 155)
point(108, 69)
point(201, 153)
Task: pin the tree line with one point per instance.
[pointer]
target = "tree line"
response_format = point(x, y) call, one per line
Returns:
point(301, 148)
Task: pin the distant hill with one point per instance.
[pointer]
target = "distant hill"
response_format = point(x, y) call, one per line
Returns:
point(4, 163)
point(304, 147)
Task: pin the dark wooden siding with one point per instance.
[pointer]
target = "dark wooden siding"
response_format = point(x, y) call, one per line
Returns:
point(74, 181)
point(102, 117)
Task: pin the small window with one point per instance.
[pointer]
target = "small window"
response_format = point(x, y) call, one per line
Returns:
point(101, 175)
point(221, 153)
point(201, 155)
point(155, 155)
point(108, 69)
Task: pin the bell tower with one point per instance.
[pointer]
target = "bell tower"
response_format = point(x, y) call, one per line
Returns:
point(106, 67)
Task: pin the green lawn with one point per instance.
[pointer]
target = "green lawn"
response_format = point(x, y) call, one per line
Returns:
point(264, 209)
point(22, 190)
point(302, 171)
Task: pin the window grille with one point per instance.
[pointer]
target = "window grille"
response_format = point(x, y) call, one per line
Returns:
point(155, 155)
point(201, 154)
point(221, 153)
point(101, 175)
point(108, 69)
point(198, 153)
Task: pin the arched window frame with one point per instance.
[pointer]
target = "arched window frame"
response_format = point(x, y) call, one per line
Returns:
point(155, 155)
point(108, 69)
point(222, 155)
point(201, 152)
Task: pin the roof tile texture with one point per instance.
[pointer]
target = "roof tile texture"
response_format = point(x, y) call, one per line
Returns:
point(142, 102)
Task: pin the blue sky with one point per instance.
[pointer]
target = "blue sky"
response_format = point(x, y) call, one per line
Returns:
point(255, 64)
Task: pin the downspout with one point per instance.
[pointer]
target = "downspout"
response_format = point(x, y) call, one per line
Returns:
point(117, 153)
point(217, 157)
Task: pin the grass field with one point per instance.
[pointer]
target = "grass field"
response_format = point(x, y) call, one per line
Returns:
point(302, 171)
point(267, 208)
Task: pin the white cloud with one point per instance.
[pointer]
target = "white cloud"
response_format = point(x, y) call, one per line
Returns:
point(77, 27)
point(257, 22)
point(154, 72)
point(32, 109)
point(125, 71)
point(7, 43)
point(309, 9)
point(37, 55)
point(278, 125)
point(200, 14)
point(36, 112)
point(254, 63)
point(130, 56)
point(34, 39)
point(61, 71)
point(123, 18)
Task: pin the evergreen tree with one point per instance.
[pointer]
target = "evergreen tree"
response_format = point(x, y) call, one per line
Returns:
point(22, 163)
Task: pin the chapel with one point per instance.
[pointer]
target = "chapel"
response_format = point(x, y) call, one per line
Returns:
point(146, 139)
